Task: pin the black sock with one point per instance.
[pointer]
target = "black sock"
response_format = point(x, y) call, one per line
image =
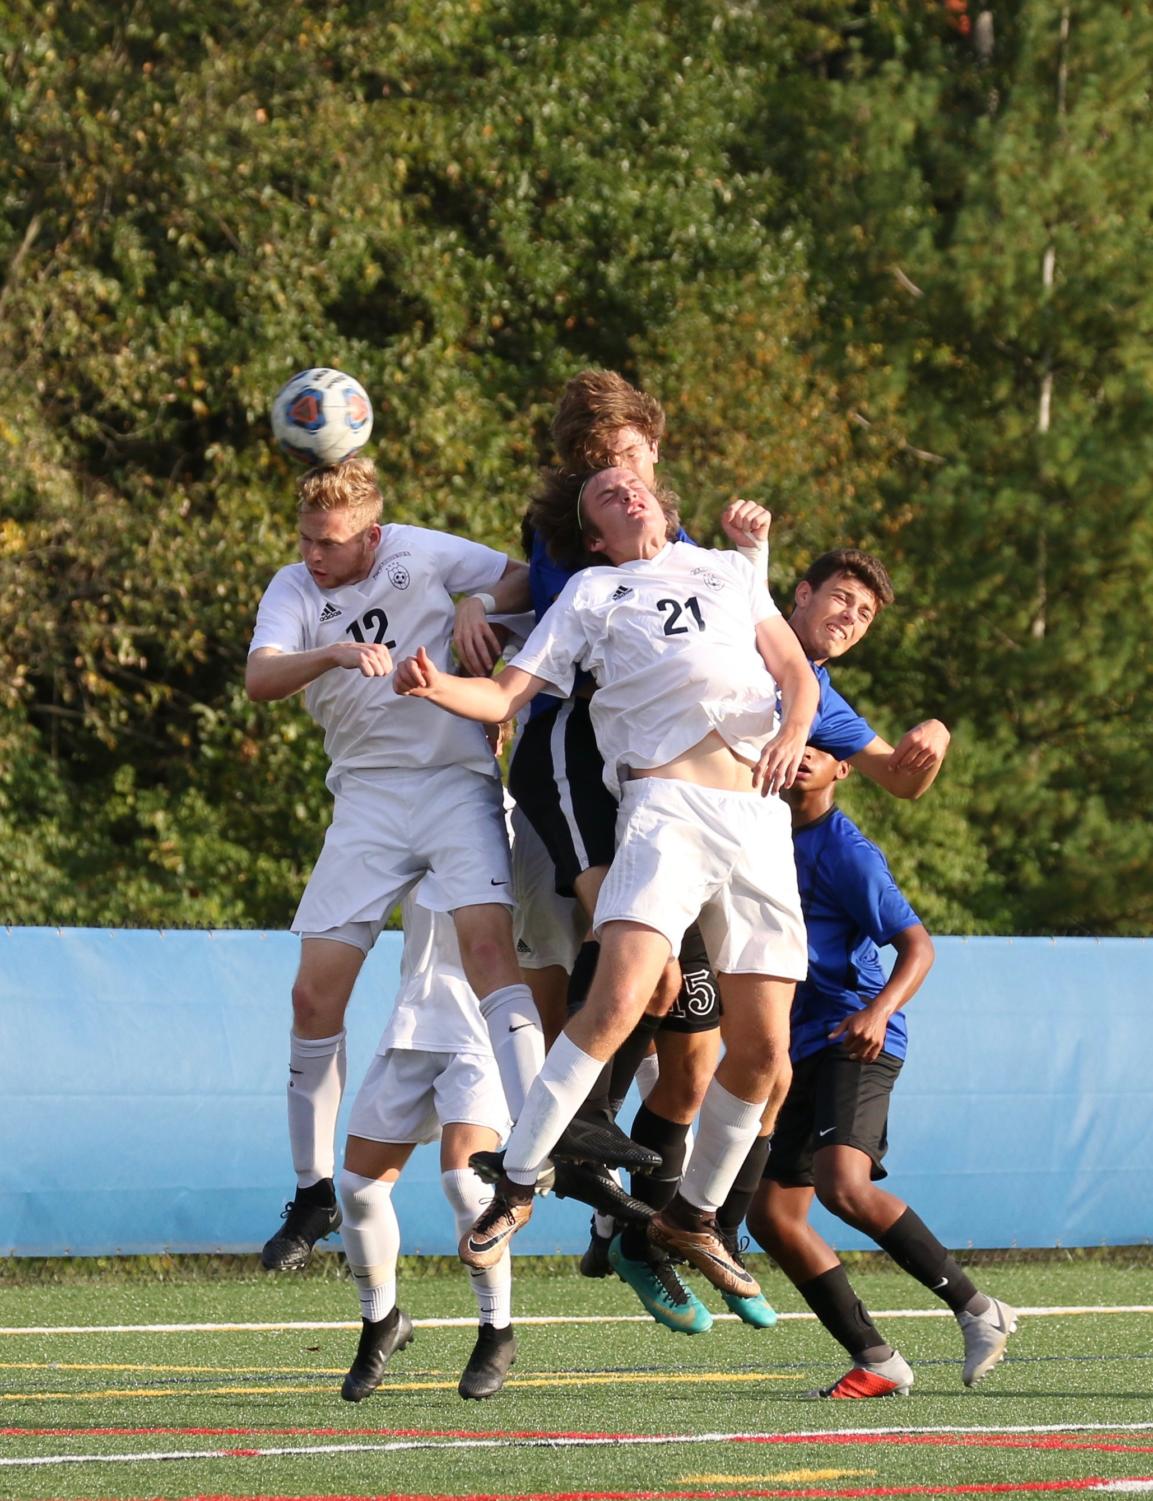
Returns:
point(581, 977)
point(916, 1250)
point(832, 1299)
point(628, 1056)
point(670, 1139)
point(597, 1104)
point(732, 1212)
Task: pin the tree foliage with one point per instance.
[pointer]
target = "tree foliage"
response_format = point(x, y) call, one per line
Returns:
point(884, 268)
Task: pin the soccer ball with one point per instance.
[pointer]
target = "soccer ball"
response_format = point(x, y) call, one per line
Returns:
point(321, 417)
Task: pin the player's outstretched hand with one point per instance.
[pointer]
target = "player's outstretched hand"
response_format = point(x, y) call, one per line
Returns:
point(746, 524)
point(372, 658)
point(780, 760)
point(921, 748)
point(476, 645)
point(417, 676)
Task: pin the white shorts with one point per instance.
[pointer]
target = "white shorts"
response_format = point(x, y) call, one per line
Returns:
point(391, 828)
point(684, 850)
point(548, 928)
point(407, 1095)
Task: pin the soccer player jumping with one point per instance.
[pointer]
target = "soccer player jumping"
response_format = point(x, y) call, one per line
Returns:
point(688, 651)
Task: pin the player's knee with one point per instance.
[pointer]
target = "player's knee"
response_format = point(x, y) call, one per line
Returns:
point(488, 955)
point(844, 1197)
point(314, 1013)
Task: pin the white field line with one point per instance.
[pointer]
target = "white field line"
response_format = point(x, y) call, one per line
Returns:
point(562, 1442)
point(469, 1323)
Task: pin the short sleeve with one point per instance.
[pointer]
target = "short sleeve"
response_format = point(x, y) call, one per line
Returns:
point(838, 728)
point(279, 617)
point(557, 645)
point(866, 889)
point(463, 566)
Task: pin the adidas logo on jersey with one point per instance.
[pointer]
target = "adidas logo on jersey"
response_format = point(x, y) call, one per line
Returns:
point(522, 947)
point(620, 592)
point(330, 612)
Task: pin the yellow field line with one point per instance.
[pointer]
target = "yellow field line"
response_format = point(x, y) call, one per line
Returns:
point(649, 1378)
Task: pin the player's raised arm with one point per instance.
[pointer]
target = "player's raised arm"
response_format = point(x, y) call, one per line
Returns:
point(477, 647)
point(911, 769)
point(272, 674)
point(782, 655)
point(746, 524)
point(489, 700)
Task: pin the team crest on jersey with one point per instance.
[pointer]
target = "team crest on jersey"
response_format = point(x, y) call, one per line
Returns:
point(622, 591)
point(330, 612)
point(394, 570)
point(708, 577)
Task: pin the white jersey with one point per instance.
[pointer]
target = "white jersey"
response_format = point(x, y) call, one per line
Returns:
point(671, 643)
point(435, 1009)
point(405, 602)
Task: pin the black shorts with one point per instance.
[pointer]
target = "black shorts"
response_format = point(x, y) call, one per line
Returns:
point(833, 1101)
point(697, 1007)
point(556, 777)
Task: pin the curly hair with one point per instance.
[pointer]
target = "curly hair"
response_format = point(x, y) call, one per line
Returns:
point(350, 486)
point(593, 407)
point(553, 513)
point(862, 566)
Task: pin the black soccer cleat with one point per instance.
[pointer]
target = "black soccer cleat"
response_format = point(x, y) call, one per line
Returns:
point(603, 1141)
point(379, 1342)
point(595, 1261)
point(493, 1356)
point(593, 1185)
point(312, 1214)
point(489, 1168)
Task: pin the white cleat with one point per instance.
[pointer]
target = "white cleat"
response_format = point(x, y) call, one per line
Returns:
point(986, 1335)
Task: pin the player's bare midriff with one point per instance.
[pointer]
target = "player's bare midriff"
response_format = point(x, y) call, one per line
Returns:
point(709, 763)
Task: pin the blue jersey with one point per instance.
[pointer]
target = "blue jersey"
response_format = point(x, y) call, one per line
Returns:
point(851, 905)
point(837, 728)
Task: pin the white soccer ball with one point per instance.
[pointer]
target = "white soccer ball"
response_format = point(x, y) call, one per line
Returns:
point(322, 416)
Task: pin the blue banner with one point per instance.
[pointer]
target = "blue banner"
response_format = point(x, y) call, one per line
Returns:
point(142, 1082)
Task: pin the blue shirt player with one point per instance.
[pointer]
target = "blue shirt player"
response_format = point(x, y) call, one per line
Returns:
point(848, 1040)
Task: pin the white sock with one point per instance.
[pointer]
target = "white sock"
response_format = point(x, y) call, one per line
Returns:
point(647, 1074)
point(492, 1288)
point(316, 1072)
point(517, 1040)
point(728, 1127)
point(557, 1093)
point(371, 1237)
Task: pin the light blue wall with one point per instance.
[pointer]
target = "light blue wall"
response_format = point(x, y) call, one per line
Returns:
point(142, 1095)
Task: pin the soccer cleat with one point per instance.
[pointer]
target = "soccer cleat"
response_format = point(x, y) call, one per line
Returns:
point(596, 1187)
point(379, 1342)
point(312, 1214)
point(704, 1247)
point(484, 1245)
point(493, 1356)
point(756, 1311)
point(604, 1142)
point(891, 1378)
point(986, 1335)
point(661, 1291)
point(489, 1168)
point(595, 1261)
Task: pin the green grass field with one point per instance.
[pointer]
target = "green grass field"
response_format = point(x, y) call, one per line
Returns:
point(611, 1406)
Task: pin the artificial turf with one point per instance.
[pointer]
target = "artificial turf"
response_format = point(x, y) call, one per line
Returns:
point(594, 1409)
